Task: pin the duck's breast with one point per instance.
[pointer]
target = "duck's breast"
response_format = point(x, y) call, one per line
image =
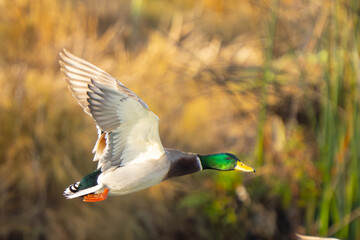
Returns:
point(134, 177)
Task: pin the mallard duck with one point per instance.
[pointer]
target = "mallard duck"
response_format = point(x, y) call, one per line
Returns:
point(128, 150)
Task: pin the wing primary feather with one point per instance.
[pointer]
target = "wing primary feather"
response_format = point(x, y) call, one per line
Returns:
point(76, 65)
point(94, 95)
point(84, 63)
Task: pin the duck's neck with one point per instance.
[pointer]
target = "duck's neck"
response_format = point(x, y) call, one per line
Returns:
point(209, 161)
point(181, 163)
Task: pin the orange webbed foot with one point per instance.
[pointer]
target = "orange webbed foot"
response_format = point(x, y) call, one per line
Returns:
point(96, 197)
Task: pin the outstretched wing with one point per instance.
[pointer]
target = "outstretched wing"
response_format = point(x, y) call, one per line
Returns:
point(79, 72)
point(129, 131)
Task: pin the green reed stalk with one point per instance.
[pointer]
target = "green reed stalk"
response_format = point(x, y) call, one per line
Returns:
point(338, 135)
point(268, 77)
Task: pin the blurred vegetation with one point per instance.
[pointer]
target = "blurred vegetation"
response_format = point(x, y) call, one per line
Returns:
point(274, 81)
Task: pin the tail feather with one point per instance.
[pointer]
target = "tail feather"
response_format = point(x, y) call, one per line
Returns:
point(73, 188)
point(87, 185)
point(69, 192)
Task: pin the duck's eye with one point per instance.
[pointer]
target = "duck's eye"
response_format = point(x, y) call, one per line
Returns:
point(228, 158)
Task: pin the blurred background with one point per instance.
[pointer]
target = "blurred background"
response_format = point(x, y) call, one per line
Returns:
point(274, 81)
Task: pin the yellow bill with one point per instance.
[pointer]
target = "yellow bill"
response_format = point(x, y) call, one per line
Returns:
point(242, 167)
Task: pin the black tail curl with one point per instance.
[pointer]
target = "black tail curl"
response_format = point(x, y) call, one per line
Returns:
point(74, 187)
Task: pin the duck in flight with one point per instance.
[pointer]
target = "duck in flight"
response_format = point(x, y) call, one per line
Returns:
point(129, 152)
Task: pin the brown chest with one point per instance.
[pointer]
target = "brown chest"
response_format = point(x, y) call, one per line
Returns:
point(184, 166)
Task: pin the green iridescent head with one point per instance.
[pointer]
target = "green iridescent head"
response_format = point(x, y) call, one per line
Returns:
point(223, 162)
